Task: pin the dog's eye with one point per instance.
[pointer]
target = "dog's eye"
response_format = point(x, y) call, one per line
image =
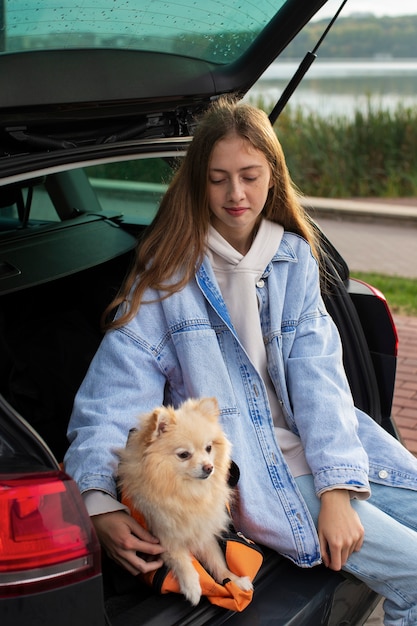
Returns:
point(184, 455)
point(208, 448)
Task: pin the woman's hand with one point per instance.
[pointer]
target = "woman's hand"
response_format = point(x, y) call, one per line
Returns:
point(127, 542)
point(339, 528)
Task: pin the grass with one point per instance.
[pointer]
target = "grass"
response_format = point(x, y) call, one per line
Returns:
point(401, 293)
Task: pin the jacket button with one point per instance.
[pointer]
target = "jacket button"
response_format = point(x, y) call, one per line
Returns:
point(383, 474)
point(260, 283)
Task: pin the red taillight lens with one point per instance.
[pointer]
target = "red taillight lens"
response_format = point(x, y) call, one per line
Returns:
point(46, 537)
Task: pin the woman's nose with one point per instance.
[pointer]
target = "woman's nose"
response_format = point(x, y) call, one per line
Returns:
point(235, 190)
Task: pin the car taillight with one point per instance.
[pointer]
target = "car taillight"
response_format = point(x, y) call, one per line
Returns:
point(46, 536)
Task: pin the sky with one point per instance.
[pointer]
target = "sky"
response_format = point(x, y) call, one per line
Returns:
point(377, 7)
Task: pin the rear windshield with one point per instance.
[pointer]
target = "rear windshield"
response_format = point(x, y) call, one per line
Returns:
point(217, 31)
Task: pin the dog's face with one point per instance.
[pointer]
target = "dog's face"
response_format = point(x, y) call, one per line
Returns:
point(196, 459)
point(187, 442)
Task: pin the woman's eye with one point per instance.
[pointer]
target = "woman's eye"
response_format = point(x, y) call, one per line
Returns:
point(217, 181)
point(250, 179)
point(184, 455)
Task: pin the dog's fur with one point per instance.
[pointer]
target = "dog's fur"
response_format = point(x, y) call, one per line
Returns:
point(174, 470)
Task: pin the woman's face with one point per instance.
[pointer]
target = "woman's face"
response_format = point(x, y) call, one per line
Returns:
point(239, 179)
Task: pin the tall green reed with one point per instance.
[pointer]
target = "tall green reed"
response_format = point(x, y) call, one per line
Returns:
point(372, 154)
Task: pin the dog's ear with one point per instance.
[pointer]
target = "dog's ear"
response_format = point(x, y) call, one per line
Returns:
point(160, 420)
point(210, 408)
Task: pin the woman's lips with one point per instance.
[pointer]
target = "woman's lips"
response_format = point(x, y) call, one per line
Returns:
point(235, 211)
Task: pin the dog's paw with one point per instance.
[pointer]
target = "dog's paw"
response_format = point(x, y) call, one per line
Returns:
point(243, 582)
point(192, 591)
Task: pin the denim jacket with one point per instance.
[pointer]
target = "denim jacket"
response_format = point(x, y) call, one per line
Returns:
point(185, 346)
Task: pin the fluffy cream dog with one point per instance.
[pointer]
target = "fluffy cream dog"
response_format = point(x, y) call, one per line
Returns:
point(174, 470)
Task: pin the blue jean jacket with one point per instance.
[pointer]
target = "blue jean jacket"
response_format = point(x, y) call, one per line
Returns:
point(185, 346)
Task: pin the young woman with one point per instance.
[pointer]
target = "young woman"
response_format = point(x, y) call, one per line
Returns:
point(224, 300)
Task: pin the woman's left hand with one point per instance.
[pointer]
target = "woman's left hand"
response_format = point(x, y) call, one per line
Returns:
point(339, 528)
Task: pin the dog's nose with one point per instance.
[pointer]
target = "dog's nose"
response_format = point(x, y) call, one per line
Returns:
point(207, 469)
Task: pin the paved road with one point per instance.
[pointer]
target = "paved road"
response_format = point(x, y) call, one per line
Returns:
point(404, 408)
point(371, 236)
point(384, 248)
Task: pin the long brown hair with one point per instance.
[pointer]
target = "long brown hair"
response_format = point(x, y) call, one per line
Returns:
point(174, 244)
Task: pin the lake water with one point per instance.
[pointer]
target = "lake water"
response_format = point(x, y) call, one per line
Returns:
point(343, 87)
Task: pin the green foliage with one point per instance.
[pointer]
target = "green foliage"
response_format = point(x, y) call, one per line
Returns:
point(372, 154)
point(401, 293)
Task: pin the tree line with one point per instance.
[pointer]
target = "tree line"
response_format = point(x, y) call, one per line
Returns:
point(360, 36)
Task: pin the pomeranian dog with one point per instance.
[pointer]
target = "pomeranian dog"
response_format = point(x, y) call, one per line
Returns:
point(174, 470)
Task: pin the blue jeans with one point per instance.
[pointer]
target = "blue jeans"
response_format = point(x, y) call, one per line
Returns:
point(387, 561)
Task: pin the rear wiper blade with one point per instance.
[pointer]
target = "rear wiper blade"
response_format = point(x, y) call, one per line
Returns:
point(301, 71)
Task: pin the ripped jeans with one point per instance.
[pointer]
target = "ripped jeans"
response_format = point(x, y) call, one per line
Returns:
point(387, 561)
